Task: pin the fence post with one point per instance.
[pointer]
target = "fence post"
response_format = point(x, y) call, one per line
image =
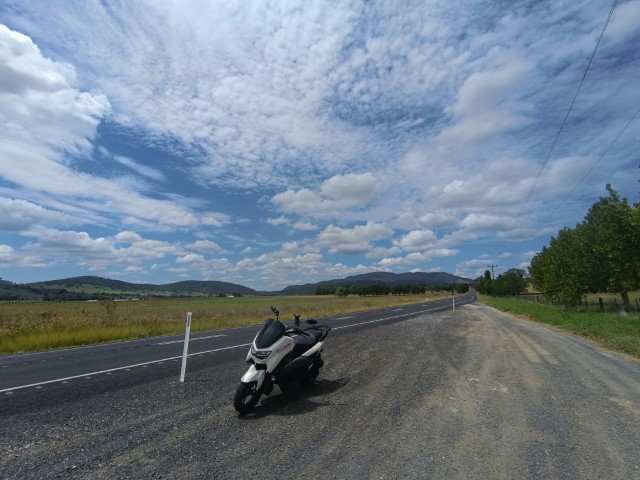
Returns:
point(637, 307)
point(615, 300)
point(601, 304)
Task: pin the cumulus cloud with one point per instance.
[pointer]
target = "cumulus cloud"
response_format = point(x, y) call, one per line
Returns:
point(278, 221)
point(17, 215)
point(336, 194)
point(44, 115)
point(38, 99)
point(351, 190)
point(205, 246)
point(417, 240)
point(190, 258)
point(97, 254)
point(305, 226)
point(354, 240)
point(417, 258)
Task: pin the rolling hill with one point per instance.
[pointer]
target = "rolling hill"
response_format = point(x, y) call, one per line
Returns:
point(430, 279)
point(93, 287)
point(99, 287)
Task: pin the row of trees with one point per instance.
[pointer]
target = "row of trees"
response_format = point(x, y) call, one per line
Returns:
point(511, 282)
point(601, 254)
point(384, 289)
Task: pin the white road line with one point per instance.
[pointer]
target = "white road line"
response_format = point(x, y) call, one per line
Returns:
point(383, 319)
point(344, 318)
point(192, 339)
point(79, 347)
point(128, 367)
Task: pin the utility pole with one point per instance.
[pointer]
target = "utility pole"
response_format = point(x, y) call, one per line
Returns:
point(493, 277)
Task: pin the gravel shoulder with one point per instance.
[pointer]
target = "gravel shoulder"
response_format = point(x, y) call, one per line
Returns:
point(474, 393)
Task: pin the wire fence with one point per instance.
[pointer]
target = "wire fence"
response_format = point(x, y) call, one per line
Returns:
point(587, 304)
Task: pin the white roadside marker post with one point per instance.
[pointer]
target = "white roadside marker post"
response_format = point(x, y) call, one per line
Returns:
point(453, 297)
point(186, 347)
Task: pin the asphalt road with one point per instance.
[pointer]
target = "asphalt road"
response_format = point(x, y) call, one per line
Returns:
point(36, 370)
point(474, 394)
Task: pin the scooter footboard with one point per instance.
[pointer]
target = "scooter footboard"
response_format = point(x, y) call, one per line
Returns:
point(294, 370)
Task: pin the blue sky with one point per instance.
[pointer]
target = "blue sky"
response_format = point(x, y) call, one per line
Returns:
point(273, 143)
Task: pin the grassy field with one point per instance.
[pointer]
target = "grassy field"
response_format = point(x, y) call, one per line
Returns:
point(616, 332)
point(39, 326)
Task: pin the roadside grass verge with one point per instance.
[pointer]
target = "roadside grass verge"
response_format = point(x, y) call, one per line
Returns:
point(616, 332)
point(42, 326)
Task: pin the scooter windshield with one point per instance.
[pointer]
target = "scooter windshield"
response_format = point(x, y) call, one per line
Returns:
point(270, 332)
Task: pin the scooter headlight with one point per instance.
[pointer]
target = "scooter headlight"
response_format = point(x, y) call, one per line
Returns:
point(260, 354)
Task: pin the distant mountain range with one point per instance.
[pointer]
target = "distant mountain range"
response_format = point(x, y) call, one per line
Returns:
point(91, 287)
point(82, 288)
point(430, 279)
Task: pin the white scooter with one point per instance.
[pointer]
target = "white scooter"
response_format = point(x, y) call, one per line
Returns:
point(279, 355)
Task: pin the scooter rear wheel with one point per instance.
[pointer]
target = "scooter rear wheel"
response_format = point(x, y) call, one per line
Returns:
point(246, 397)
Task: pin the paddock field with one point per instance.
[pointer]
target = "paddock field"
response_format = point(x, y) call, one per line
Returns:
point(44, 325)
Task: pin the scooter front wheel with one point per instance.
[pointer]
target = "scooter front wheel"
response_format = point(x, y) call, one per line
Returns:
point(246, 397)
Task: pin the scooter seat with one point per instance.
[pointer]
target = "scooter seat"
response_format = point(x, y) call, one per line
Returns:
point(302, 343)
point(316, 333)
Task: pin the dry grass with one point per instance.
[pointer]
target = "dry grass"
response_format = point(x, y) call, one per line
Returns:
point(40, 326)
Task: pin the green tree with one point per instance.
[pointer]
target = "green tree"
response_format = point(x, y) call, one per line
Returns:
point(342, 291)
point(559, 271)
point(602, 254)
point(612, 237)
point(485, 284)
point(511, 282)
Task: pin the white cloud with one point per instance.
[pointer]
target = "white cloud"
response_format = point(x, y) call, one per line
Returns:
point(416, 258)
point(190, 258)
point(303, 201)
point(44, 115)
point(305, 226)
point(475, 267)
point(485, 104)
point(8, 254)
point(128, 237)
point(278, 221)
point(215, 219)
point(338, 193)
point(624, 21)
point(38, 100)
point(140, 169)
point(205, 246)
point(352, 240)
point(17, 215)
point(12, 258)
point(351, 190)
point(417, 240)
point(476, 222)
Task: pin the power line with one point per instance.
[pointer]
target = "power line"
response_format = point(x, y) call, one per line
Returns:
point(546, 160)
point(594, 165)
